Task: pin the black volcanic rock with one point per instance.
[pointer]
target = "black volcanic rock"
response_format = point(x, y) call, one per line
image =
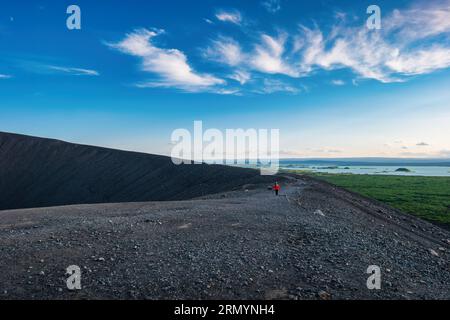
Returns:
point(402, 170)
point(38, 172)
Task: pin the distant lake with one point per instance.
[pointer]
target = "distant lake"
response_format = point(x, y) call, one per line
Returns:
point(429, 171)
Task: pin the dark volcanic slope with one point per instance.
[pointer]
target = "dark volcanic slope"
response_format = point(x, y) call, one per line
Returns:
point(37, 172)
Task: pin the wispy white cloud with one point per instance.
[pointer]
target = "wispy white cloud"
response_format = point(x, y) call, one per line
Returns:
point(170, 65)
point(241, 76)
point(272, 6)
point(74, 71)
point(268, 56)
point(265, 58)
point(420, 61)
point(419, 21)
point(358, 49)
point(412, 42)
point(338, 82)
point(235, 92)
point(5, 76)
point(231, 16)
point(389, 55)
point(274, 85)
point(225, 50)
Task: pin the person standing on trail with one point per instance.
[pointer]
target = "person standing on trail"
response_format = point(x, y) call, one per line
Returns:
point(276, 188)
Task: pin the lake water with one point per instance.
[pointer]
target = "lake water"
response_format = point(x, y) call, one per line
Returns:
point(378, 170)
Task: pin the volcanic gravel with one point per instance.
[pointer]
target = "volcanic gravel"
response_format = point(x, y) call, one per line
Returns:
point(314, 241)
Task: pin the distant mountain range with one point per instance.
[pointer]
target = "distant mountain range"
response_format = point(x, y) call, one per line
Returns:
point(368, 162)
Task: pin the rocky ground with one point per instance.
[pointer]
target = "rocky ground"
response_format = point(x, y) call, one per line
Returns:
point(314, 241)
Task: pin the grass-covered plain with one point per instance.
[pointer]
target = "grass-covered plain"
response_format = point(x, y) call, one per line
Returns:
point(426, 197)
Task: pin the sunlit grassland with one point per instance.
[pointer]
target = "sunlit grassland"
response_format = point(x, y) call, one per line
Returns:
point(425, 197)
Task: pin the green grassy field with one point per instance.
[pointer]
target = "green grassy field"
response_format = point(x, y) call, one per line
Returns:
point(426, 197)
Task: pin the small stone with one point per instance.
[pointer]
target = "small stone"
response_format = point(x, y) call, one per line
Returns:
point(324, 295)
point(101, 259)
point(319, 212)
point(434, 253)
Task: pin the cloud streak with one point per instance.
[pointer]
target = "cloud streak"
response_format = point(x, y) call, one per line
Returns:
point(338, 82)
point(272, 6)
point(171, 66)
point(231, 16)
point(74, 71)
point(405, 46)
point(266, 57)
point(412, 42)
point(225, 50)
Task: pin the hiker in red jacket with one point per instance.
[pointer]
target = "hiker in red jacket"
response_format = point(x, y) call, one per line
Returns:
point(276, 188)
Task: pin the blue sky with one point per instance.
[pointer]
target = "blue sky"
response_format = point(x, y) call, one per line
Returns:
point(137, 70)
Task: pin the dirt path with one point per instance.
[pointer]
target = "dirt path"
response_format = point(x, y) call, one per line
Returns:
point(313, 241)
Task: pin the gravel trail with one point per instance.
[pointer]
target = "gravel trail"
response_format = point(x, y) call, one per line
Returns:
point(314, 241)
